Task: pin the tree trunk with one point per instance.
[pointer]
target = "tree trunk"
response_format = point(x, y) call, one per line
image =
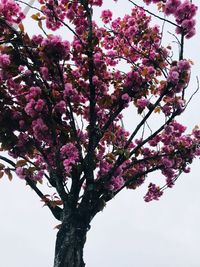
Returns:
point(70, 241)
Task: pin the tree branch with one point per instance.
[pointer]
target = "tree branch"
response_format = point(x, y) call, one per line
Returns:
point(56, 211)
point(134, 179)
point(154, 15)
point(89, 159)
point(145, 118)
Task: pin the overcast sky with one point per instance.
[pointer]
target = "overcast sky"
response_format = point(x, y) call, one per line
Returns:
point(129, 232)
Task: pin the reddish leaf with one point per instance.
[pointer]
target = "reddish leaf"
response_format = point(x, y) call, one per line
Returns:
point(57, 226)
point(21, 27)
point(2, 166)
point(9, 174)
point(36, 16)
point(21, 163)
point(40, 24)
point(1, 174)
point(58, 202)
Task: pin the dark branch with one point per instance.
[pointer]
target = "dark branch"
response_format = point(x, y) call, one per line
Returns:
point(56, 211)
point(154, 15)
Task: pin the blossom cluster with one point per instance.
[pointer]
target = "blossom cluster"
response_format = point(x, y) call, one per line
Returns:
point(52, 47)
point(179, 74)
point(4, 60)
point(154, 193)
point(24, 173)
point(70, 156)
point(183, 11)
point(11, 11)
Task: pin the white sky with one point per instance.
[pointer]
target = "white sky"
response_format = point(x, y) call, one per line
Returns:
point(129, 232)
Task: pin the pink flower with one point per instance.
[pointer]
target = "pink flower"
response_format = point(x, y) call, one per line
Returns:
point(170, 181)
point(188, 24)
point(38, 176)
point(11, 11)
point(44, 71)
point(60, 107)
point(155, 140)
point(168, 129)
point(183, 65)
point(67, 165)
point(29, 108)
point(142, 103)
point(167, 162)
point(54, 47)
point(179, 105)
point(186, 169)
point(197, 152)
point(27, 72)
point(39, 105)
point(147, 1)
point(190, 33)
point(39, 129)
point(166, 109)
point(98, 60)
point(37, 39)
point(171, 6)
point(70, 154)
point(70, 151)
point(126, 97)
point(95, 80)
point(106, 16)
point(20, 172)
point(4, 60)
point(178, 127)
point(186, 10)
point(77, 45)
point(68, 90)
point(34, 92)
point(173, 77)
point(154, 193)
point(116, 183)
point(196, 133)
point(21, 68)
point(97, 2)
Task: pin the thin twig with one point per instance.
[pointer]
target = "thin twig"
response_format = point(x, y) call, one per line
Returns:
point(156, 16)
point(193, 93)
point(56, 211)
point(28, 5)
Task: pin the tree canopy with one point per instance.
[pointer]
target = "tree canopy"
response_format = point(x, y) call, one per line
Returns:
point(62, 101)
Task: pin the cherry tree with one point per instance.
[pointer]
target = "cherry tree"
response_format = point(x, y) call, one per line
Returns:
point(62, 103)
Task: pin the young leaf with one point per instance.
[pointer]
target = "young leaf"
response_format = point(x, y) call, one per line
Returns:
point(9, 174)
point(1, 174)
point(2, 166)
point(21, 27)
point(36, 16)
point(21, 163)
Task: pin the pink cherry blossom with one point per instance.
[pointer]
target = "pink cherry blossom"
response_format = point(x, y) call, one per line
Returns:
point(142, 103)
point(154, 193)
point(106, 16)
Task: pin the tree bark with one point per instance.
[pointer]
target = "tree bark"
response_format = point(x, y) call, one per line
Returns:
point(70, 242)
